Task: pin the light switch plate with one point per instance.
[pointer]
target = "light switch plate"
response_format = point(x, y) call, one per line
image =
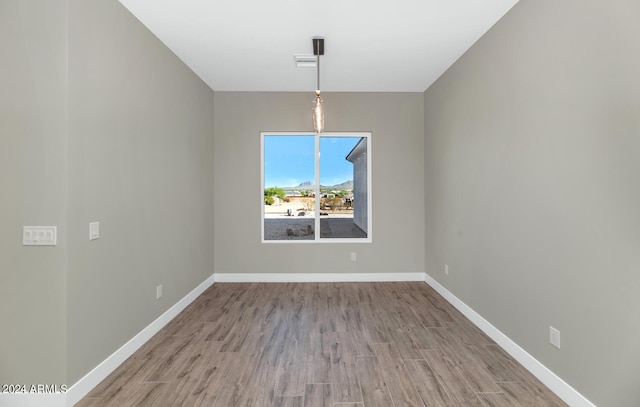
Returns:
point(554, 337)
point(94, 230)
point(39, 235)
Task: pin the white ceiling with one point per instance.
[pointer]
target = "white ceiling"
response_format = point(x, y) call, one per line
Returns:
point(370, 45)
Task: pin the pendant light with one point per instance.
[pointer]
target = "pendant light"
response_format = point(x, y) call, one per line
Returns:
point(318, 112)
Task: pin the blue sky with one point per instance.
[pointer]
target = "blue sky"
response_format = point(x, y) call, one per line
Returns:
point(289, 160)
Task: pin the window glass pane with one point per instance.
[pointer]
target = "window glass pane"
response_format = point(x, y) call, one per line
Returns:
point(289, 177)
point(343, 187)
point(316, 187)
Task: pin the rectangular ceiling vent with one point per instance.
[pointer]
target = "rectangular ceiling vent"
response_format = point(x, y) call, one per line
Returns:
point(305, 61)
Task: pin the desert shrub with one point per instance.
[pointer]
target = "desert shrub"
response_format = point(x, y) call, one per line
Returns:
point(270, 193)
point(309, 204)
point(331, 203)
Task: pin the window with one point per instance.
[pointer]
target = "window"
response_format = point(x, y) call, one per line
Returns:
point(316, 187)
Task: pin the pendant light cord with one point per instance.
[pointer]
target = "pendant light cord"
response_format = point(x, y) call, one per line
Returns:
point(318, 72)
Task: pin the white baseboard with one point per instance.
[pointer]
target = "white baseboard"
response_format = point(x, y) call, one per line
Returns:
point(314, 277)
point(100, 372)
point(80, 389)
point(563, 390)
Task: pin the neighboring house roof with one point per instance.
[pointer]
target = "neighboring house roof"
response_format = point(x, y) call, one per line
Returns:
point(358, 150)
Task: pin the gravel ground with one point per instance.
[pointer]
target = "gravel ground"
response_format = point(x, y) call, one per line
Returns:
point(301, 228)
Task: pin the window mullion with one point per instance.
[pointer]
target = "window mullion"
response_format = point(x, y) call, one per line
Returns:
point(317, 188)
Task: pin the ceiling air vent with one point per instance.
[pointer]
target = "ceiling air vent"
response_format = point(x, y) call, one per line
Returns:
point(305, 61)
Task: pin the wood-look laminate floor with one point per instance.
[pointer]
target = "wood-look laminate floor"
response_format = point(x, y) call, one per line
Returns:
point(320, 344)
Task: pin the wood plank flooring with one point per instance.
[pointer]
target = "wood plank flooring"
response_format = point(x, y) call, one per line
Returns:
point(320, 344)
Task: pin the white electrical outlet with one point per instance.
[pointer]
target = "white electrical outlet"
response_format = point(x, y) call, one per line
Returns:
point(554, 337)
point(158, 292)
point(353, 256)
point(446, 269)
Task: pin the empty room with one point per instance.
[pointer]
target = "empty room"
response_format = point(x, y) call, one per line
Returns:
point(301, 203)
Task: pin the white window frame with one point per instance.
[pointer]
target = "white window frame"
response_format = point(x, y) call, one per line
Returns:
point(317, 238)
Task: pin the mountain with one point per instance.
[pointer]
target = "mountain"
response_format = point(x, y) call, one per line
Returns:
point(306, 184)
point(347, 185)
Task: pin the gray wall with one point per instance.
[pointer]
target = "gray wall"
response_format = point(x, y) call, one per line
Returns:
point(33, 137)
point(529, 176)
point(98, 122)
point(396, 123)
point(532, 156)
point(141, 163)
